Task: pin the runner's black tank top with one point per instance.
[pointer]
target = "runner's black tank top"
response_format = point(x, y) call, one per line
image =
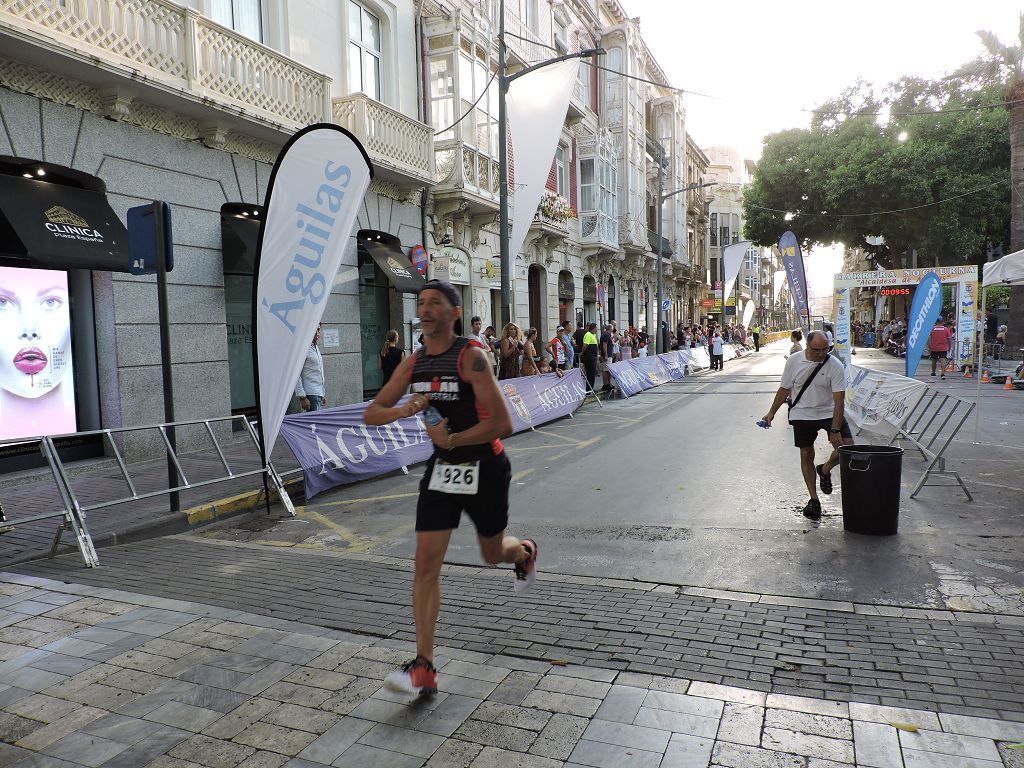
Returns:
point(437, 377)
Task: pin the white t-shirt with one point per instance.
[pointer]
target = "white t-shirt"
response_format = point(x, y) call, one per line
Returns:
point(816, 403)
point(831, 340)
point(716, 345)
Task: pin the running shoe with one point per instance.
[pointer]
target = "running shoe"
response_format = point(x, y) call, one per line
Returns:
point(824, 479)
point(526, 571)
point(813, 510)
point(418, 676)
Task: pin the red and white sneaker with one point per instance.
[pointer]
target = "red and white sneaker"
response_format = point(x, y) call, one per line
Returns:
point(418, 676)
point(526, 571)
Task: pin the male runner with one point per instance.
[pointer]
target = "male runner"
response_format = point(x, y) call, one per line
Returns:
point(469, 470)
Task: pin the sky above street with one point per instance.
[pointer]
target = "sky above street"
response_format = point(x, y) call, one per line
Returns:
point(765, 62)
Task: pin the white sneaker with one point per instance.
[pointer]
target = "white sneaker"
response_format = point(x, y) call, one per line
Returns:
point(526, 571)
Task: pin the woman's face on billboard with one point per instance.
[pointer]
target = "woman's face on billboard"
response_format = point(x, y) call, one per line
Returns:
point(35, 330)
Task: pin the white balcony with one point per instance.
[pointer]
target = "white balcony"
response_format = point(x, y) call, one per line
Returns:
point(523, 44)
point(466, 173)
point(401, 148)
point(167, 55)
point(599, 231)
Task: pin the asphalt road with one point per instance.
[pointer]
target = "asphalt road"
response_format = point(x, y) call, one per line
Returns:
point(677, 485)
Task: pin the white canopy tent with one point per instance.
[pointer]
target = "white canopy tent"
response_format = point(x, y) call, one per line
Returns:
point(1008, 270)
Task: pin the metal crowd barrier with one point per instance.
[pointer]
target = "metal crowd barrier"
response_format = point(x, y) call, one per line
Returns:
point(74, 513)
point(930, 428)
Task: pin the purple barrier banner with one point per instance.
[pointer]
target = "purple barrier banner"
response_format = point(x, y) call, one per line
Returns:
point(334, 447)
point(636, 375)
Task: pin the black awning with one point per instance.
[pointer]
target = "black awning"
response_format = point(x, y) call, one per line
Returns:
point(239, 236)
point(395, 264)
point(666, 246)
point(47, 225)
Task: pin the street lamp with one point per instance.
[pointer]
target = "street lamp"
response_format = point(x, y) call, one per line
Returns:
point(662, 331)
point(504, 81)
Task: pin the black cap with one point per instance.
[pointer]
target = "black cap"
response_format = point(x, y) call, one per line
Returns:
point(447, 289)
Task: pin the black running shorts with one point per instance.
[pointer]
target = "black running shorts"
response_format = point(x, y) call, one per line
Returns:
point(805, 432)
point(488, 508)
point(940, 355)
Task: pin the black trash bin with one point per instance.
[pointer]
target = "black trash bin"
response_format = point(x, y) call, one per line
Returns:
point(870, 475)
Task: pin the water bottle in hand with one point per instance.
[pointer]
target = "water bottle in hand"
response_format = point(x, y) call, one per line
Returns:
point(432, 416)
point(764, 424)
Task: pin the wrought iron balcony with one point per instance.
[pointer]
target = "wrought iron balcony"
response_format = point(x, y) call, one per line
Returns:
point(401, 148)
point(168, 55)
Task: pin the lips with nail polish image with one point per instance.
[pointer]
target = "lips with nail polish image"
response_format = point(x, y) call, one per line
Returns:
point(30, 361)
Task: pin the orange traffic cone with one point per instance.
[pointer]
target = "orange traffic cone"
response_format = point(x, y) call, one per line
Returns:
point(949, 367)
point(1008, 384)
point(984, 376)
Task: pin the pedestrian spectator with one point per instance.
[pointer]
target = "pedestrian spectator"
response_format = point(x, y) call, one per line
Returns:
point(642, 339)
point(1000, 342)
point(939, 341)
point(589, 354)
point(604, 353)
point(531, 358)
point(577, 341)
point(560, 351)
point(755, 331)
point(827, 328)
point(819, 381)
point(545, 365)
point(468, 471)
point(991, 325)
point(717, 351)
point(510, 352)
point(795, 337)
point(310, 386)
point(390, 356)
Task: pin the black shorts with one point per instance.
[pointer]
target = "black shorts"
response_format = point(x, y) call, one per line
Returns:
point(805, 432)
point(939, 355)
point(488, 508)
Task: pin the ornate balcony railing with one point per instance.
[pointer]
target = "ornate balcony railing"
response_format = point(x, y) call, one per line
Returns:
point(460, 166)
point(599, 229)
point(523, 42)
point(394, 141)
point(166, 45)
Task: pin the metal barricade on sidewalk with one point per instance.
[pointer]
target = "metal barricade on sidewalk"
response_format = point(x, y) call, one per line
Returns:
point(930, 428)
point(74, 513)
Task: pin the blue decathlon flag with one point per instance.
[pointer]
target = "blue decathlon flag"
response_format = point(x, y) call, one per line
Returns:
point(924, 310)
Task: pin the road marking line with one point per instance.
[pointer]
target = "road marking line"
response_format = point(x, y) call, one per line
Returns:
point(345, 502)
point(522, 473)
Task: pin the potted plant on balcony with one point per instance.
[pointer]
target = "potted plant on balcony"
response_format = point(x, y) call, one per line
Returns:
point(555, 208)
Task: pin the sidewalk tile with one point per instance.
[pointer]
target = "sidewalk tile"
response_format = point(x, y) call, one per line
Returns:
point(950, 744)
point(127, 730)
point(181, 715)
point(319, 678)
point(329, 746)
point(739, 756)
point(586, 673)
point(688, 752)
point(236, 721)
point(149, 748)
point(514, 688)
point(678, 702)
point(85, 749)
point(622, 704)
point(562, 702)
point(560, 736)
point(211, 752)
point(574, 686)
point(447, 718)
point(1000, 730)
point(465, 686)
point(806, 704)
point(291, 693)
point(486, 672)
point(508, 714)
point(913, 758)
point(208, 697)
point(876, 745)
point(873, 713)
point(274, 738)
point(301, 718)
point(783, 740)
point(491, 757)
point(600, 755)
point(364, 756)
point(454, 754)
point(679, 722)
point(496, 735)
point(623, 735)
point(58, 729)
point(805, 722)
point(41, 707)
point(741, 724)
point(727, 693)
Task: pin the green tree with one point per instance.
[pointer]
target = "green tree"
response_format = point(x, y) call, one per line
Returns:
point(851, 176)
point(1004, 65)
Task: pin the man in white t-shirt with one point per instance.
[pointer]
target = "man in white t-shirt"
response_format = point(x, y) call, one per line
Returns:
point(820, 407)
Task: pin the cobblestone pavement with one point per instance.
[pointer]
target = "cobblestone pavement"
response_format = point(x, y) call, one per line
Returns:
point(943, 661)
point(100, 677)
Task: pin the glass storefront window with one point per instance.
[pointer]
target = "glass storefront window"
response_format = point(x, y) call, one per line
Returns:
point(374, 320)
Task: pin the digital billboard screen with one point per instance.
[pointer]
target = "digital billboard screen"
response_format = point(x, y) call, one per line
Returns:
point(37, 389)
